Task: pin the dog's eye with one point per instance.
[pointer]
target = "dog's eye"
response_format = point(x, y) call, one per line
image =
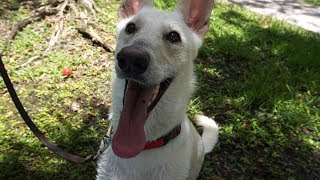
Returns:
point(173, 37)
point(131, 28)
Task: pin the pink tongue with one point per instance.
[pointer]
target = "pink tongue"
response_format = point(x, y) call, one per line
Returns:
point(129, 139)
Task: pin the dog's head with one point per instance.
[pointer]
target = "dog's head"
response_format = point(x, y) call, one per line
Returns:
point(152, 47)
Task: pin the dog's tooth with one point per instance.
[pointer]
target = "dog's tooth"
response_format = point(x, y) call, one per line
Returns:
point(153, 97)
point(157, 89)
point(155, 93)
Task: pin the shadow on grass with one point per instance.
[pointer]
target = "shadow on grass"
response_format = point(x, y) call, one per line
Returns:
point(29, 159)
point(262, 65)
point(16, 165)
point(244, 70)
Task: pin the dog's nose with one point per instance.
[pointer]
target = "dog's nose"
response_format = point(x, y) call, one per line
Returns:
point(133, 61)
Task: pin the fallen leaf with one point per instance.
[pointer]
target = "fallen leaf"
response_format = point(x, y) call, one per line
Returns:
point(245, 124)
point(91, 113)
point(75, 106)
point(306, 131)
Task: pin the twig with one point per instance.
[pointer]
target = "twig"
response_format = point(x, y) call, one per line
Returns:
point(89, 5)
point(74, 9)
point(29, 61)
point(89, 33)
point(55, 36)
point(62, 8)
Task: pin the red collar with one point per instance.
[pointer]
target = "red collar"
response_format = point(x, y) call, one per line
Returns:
point(164, 139)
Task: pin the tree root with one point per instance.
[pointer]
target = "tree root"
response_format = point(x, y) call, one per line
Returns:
point(55, 36)
point(89, 33)
point(58, 8)
point(40, 13)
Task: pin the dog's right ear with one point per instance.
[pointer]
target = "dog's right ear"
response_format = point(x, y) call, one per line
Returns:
point(196, 14)
point(132, 7)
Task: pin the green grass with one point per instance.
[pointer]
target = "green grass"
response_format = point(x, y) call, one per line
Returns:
point(260, 80)
point(315, 2)
point(52, 99)
point(257, 77)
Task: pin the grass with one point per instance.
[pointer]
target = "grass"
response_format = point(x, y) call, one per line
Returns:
point(72, 111)
point(257, 77)
point(314, 2)
point(260, 79)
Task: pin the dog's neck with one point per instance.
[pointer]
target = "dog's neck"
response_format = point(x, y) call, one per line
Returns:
point(164, 139)
point(171, 109)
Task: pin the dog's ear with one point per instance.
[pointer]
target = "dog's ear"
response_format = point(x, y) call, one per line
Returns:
point(132, 7)
point(196, 14)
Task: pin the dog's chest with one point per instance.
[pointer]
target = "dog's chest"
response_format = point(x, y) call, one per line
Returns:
point(112, 168)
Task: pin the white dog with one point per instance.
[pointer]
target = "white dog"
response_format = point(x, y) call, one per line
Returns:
point(153, 137)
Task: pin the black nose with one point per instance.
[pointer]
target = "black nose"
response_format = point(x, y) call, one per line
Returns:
point(133, 60)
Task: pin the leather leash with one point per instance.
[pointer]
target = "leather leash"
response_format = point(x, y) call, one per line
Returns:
point(53, 147)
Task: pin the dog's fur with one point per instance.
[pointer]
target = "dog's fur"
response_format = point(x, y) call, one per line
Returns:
point(183, 156)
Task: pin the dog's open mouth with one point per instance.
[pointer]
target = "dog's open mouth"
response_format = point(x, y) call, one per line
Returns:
point(130, 139)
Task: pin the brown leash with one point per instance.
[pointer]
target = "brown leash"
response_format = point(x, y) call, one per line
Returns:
point(53, 147)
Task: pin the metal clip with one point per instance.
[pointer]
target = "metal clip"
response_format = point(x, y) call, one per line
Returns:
point(105, 143)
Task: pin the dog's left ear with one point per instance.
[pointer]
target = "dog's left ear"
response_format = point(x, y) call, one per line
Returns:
point(196, 14)
point(132, 7)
